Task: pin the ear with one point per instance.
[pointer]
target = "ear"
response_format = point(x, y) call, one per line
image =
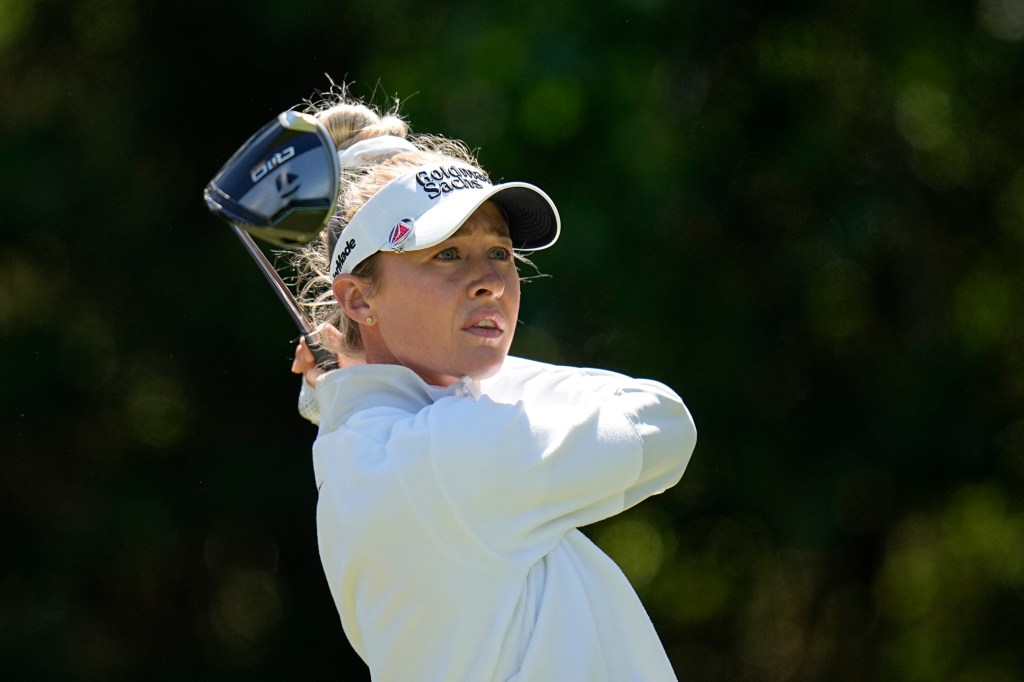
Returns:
point(350, 292)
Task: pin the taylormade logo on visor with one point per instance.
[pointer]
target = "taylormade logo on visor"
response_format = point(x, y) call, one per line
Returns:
point(339, 262)
point(445, 179)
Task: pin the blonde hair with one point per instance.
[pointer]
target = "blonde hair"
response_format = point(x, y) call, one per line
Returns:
point(350, 121)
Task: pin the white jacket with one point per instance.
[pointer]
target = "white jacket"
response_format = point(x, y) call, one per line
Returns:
point(447, 519)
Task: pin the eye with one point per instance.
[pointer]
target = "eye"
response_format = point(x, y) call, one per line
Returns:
point(501, 253)
point(446, 254)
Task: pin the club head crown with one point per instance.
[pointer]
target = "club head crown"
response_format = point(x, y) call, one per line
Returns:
point(282, 184)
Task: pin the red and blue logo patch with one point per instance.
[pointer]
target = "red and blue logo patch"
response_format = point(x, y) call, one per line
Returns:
point(400, 233)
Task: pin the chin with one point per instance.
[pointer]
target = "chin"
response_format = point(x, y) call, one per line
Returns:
point(476, 367)
point(484, 373)
point(485, 369)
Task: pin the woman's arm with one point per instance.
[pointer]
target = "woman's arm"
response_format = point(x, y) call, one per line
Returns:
point(306, 365)
point(580, 446)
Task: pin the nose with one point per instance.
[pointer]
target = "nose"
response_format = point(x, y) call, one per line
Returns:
point(487, 280)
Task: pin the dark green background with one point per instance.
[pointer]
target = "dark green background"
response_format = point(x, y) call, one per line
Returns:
point(807, 218)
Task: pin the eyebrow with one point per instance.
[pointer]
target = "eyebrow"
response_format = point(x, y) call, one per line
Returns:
point(496, 230)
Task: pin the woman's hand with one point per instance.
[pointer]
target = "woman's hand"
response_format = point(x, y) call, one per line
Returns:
point(305, 363)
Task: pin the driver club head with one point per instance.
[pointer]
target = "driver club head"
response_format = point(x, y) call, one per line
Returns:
point(282, 184)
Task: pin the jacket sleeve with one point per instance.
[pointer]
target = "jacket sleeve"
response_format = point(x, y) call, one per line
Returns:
point(309, 403)
point(578, 447)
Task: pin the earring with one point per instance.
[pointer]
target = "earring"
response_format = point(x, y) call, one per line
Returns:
point(369, 320)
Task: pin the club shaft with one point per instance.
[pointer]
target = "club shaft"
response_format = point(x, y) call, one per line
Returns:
point(323, 357)
point(275, 281)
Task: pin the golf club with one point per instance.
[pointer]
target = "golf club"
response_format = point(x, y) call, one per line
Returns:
point(280, 186)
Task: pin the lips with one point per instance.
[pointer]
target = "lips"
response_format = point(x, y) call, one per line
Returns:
point(488, 322)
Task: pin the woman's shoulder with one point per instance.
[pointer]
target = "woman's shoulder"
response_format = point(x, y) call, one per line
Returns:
point(516, 368)
point(521, 377)
point(386, 389)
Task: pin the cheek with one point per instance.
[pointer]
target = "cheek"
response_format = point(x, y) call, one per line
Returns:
point(514, 290)
point(422, 311)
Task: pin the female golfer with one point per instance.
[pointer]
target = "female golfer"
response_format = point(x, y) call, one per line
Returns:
point(453, 477)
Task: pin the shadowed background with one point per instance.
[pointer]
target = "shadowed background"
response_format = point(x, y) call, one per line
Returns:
point(807, 218)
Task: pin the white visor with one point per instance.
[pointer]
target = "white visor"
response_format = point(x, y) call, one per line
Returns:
point(428, 204)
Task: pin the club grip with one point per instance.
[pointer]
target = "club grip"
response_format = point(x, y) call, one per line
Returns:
point(325, 359)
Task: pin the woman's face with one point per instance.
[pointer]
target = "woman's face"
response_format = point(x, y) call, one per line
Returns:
point(448, 310)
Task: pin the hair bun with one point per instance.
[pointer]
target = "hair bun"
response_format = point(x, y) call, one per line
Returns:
point(349, 123)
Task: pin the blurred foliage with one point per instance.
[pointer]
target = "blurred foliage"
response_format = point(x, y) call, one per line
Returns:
point(805, 217)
